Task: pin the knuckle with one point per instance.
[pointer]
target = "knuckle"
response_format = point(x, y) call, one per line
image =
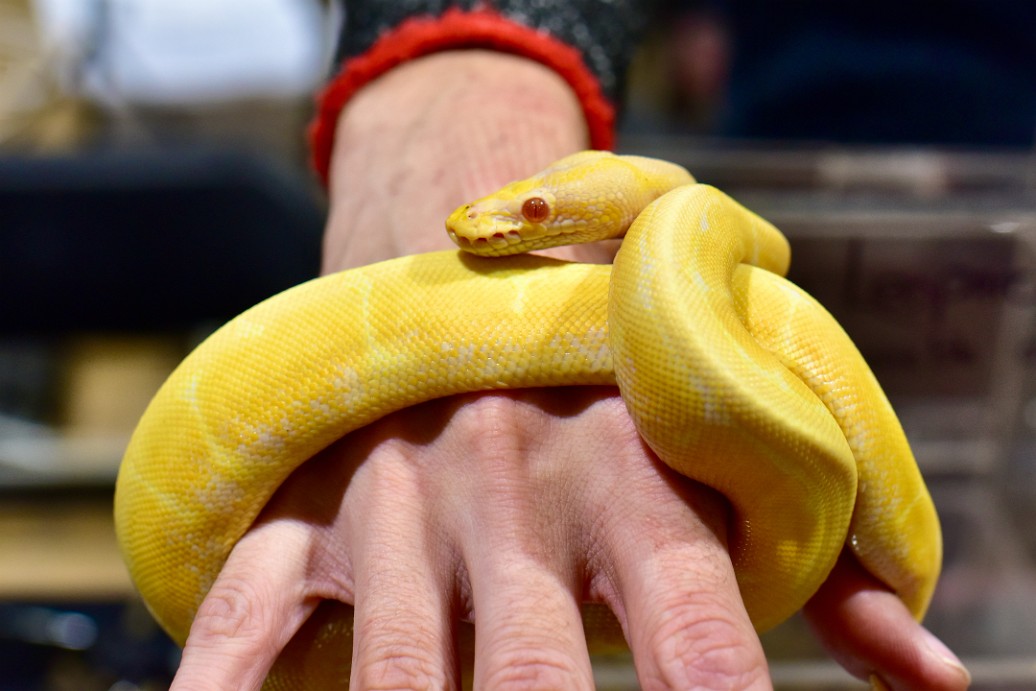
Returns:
point(707, 647)
point(528, 665)
point(394, 654)
point(231, 611)
point(398, 665)
point(493, 424)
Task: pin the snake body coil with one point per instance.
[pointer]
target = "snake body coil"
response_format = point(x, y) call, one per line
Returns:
point(733, 376)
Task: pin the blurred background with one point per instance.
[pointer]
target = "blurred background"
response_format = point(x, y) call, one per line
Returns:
point(154, 182)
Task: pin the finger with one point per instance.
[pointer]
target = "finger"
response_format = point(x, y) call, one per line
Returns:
point(519, 542)
point(872, 634)
point(676, 593)
point(255, 606)
point(528, 627)
point(403, 636)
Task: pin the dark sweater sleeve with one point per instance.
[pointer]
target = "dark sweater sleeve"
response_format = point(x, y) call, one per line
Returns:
point(588, 43)
point(604, 32)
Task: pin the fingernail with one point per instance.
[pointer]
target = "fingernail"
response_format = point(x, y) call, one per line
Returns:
point(939, 649)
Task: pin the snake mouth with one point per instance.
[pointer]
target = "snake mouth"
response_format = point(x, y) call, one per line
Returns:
point(495, 243)
point(483, 231)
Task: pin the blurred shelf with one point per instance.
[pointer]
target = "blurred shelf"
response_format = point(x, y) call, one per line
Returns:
point(817, 167)
point(60, 460)
point(60, 549)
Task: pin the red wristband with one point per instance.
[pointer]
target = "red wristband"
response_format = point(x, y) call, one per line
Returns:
point(455, 29)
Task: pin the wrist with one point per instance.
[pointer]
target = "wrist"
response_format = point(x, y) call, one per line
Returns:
point(432, 133)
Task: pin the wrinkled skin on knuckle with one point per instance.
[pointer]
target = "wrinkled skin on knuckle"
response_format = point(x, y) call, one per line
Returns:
point(231, 611)
point(527, 668)
point(398, 666)
point(532, 649)
point(710, 647)
point(233, 621)
point(394, 653)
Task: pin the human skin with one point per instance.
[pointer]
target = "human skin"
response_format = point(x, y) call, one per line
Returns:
point(506, 509)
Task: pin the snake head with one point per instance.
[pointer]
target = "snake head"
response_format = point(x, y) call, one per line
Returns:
point(518, 218)
point(587, 196)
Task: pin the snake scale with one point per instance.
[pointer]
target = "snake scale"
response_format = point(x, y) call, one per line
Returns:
point(734, 377)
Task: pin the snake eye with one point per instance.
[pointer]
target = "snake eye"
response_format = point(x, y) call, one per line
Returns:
point(535, 209)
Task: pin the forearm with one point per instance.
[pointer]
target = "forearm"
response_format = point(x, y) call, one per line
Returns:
point(432, 133)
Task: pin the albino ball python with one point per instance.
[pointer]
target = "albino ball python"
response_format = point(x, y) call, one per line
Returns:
point(734, 377)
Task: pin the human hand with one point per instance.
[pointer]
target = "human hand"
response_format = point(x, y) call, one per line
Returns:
point(505, 510)
point(509, 509)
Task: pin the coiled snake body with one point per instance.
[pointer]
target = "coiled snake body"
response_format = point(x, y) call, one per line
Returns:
point(734, 377)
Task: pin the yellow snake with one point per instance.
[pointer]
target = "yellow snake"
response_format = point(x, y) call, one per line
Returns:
point(734, 376)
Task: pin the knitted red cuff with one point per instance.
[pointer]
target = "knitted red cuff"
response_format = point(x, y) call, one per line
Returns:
point(454, 29)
